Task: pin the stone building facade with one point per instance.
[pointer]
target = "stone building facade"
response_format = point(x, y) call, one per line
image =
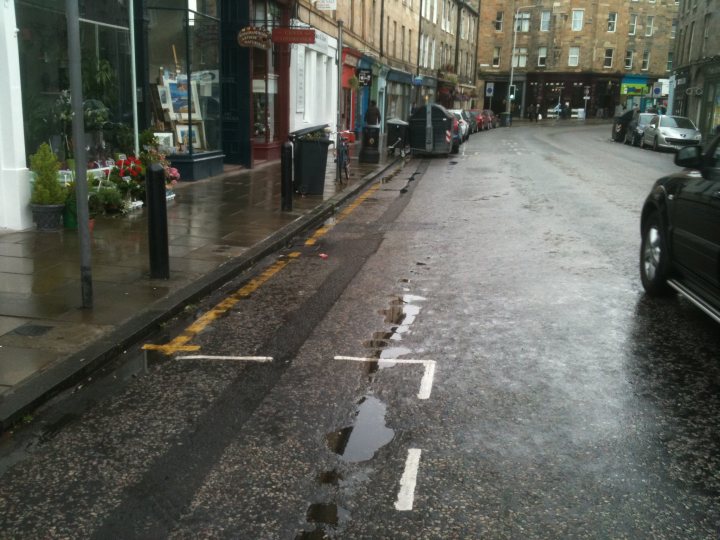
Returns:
point(595, 57)
point(697, 64)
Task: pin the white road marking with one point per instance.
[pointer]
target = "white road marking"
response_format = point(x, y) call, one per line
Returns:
point(425, 384)
point(406, 495)
point(210, 357)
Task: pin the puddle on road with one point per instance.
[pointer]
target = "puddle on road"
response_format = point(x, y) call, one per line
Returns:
point(323, 514)
point(402, 313)
point(366, 436)
point(329, 478)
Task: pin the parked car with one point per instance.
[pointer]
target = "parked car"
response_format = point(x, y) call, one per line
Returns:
point(491, 120)
point(680, 248)
point(620, 125)
point(672, 132)
point(479, 119)
point(464, 125)
point(636, 127)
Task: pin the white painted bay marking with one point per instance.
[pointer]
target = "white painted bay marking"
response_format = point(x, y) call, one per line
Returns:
point(406, 495)
point(210, 357)
point(425, 384)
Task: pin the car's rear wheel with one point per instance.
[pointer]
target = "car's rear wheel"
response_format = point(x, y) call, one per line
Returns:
point(654, 263)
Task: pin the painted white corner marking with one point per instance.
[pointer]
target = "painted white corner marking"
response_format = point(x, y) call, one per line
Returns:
point(426, 383)
point(406, 495)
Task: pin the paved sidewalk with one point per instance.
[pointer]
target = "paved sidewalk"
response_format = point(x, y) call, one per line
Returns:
point(218, 227)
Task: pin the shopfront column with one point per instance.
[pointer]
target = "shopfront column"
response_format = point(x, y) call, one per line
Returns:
point(14, 176)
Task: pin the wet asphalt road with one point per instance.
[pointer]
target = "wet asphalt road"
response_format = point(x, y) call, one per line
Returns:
point(538, 392)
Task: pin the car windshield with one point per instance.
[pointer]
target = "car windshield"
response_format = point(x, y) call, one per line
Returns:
point(676, 122)
point(644, 118)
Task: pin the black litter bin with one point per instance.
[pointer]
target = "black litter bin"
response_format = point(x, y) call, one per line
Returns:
point(397, 135)
point(369, 152)
point(310, 160)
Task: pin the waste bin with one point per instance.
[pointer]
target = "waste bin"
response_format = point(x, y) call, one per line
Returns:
point(369, 152)
point(431, 130)
point(310, 160)
point(397, 135)
point(505, 119)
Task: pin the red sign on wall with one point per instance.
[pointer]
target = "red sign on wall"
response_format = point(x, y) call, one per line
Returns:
point(293, 35)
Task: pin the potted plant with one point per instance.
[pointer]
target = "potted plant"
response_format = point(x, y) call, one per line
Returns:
point(48, 195)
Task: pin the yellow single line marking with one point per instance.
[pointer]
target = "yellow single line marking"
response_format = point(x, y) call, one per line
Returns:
point(342, 215)
point(180, 343)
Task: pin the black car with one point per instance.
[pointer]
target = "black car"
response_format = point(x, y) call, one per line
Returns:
point(680, 226)
point(620, 125)
point(636, 127)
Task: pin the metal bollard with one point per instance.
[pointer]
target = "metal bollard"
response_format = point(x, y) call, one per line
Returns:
point(286, 181)
point(157, 223)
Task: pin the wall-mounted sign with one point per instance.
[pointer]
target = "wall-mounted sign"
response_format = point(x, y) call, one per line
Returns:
point(293, 35)
point(252, 36)
point(365, 77)
point(326, 5)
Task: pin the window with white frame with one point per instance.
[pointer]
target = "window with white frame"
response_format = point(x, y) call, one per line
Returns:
point(545, 21)
point(496, 57)
point(434, 11)
point(522, 22)
point(542, 56)
point(608, 61)
point(632, 24)
point(432, 56)
point(577, 19)
point(499, 21)
point(649, 25)
point(520, 57)
point(574, 56)
point(646, 60)
point(612, 21)
point(629, 55)
point(673, 28)
point(668, 66)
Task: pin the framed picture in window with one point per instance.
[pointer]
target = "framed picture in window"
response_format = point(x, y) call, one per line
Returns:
point(187, 132)
point(165, 141)
point(181, 106)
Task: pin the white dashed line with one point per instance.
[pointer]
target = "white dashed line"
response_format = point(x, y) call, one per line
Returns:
point(425, 384)
point(242, 358)
point(406, 495)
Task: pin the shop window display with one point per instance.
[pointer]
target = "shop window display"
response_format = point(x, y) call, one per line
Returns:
point(184, 68)
point(105, 57)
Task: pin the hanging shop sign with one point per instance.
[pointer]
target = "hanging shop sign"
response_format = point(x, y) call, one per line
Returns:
point(293, 35)
point(252, 36)
point(364, 76)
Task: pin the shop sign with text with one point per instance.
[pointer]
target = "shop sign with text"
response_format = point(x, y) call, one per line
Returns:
point(252, 36)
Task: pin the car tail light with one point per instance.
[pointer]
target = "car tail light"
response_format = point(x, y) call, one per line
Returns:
point(456, 125)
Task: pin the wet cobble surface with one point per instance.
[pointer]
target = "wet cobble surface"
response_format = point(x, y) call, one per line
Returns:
point(466, 353)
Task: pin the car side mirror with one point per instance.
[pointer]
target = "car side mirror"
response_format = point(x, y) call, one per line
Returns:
point(689, 157)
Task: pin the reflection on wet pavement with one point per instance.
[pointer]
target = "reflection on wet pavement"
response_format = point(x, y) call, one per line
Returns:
point(366, 436)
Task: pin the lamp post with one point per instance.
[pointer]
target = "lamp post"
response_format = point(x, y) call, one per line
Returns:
point(510, 95)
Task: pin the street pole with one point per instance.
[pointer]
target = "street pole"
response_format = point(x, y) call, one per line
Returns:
point(78, 129)
point(338, 164)
point(512, 60)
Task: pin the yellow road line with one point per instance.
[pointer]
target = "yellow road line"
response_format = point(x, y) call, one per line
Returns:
point(342, 215)
point(180, 343)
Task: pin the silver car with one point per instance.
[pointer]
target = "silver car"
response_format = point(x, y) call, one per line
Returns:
point(672, 132)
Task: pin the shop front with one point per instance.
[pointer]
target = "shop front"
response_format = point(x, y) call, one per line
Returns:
point(710, 114)
point(399, 92)
point(350, 87)
point(313, 83)
point(183, 60)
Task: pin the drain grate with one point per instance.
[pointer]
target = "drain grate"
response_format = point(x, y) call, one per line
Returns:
point(32, 330)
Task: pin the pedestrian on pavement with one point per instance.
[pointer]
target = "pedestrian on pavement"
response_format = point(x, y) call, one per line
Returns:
point(532, 113)
point(372, 115)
